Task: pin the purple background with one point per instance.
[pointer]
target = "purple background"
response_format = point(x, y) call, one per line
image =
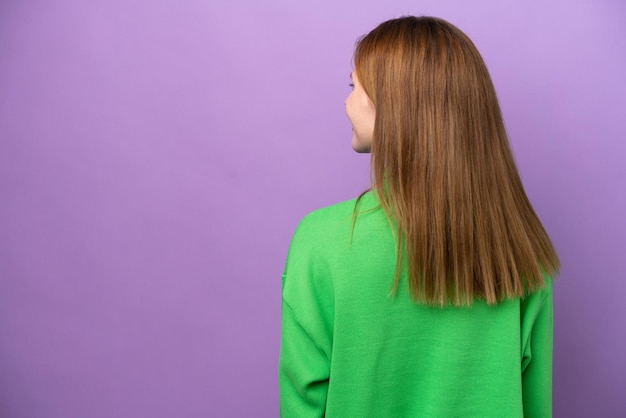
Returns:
point(156, 156)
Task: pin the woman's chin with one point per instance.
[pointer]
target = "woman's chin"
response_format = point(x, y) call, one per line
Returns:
point(359, 147)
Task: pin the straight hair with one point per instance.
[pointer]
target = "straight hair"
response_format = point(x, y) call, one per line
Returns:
point(443, 169)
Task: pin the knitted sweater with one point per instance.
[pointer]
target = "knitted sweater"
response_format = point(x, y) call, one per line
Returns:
point(350, 349)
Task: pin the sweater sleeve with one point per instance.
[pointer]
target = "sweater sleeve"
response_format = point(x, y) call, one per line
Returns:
point(303, 371)
point(306, 327)
point(537, 355)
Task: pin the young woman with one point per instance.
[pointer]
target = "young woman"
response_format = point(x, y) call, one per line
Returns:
point(430, 295)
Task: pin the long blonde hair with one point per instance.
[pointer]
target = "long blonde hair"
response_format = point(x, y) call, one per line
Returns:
point(443, 168)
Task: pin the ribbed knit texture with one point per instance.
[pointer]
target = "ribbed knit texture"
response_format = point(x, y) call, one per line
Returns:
point(349, 349)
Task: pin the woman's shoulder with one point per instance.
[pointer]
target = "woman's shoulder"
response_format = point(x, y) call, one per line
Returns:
point(337, 213)
point(320, 224)
point(331, 212)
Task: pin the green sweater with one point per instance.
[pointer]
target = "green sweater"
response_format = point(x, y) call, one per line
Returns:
point(350, 350)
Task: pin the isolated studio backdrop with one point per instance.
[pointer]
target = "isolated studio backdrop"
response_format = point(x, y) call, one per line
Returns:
point(156, 156)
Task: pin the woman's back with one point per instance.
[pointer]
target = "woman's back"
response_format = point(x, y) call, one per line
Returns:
point(355, 350)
